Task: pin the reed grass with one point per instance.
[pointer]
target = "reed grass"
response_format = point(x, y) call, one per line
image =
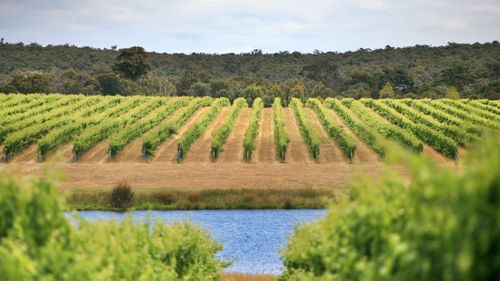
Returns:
point(217, 199)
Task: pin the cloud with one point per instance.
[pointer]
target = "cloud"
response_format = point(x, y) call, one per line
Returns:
point(271, 25)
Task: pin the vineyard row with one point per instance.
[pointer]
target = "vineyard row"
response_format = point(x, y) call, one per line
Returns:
point(50, 121)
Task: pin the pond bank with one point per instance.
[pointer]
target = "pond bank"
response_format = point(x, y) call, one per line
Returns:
point(215, 199)
point(247, 277)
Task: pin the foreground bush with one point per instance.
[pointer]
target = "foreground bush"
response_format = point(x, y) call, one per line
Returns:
point(37, 242)
point(443, 225)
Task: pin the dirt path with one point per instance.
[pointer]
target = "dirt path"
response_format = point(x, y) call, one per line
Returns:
point(233, 149)
point(364, 153)
point(131, 153)
point(167, 151)
point(97, 154)
point(264, 143)
point(200, 150)
point(297, 149)
point(436, 156)
point(29, 154)
point(328, 150)
point(62, 154)
point(462, 153)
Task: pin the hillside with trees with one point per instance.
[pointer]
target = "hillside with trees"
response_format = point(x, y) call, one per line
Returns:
point(455, 70)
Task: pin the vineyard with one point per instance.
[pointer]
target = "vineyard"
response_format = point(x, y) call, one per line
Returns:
point(187, 131)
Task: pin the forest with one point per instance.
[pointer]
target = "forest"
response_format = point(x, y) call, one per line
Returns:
point(453, 71)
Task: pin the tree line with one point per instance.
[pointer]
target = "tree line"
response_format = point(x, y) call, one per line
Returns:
point(454, 70)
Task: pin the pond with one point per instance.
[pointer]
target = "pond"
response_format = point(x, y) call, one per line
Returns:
point(251, 238)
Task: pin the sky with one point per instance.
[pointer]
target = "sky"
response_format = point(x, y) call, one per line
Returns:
point(223, 26)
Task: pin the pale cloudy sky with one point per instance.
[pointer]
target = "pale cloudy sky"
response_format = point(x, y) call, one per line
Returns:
point(221, 26)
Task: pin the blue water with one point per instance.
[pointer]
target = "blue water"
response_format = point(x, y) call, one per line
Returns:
point(251, 238)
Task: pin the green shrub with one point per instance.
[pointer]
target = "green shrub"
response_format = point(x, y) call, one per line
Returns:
point(441, 225)
point(37, 242)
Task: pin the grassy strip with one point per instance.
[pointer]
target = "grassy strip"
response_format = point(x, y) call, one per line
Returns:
point(220, 136)
point(345, 141)
point(252, 129)
point(281, 139)
point(218, 199)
